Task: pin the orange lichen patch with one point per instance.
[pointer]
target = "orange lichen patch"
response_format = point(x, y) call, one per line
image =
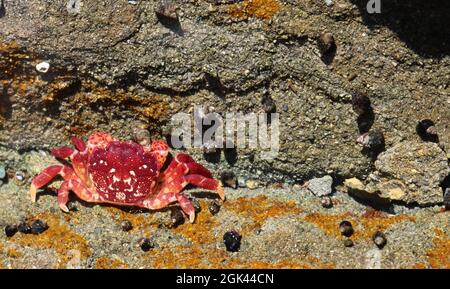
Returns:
point(260, 208)
point(200, 232)
point(152, 109)
point(263, 9)
point(107, 263)
point(439, 256)
point(364, 226)
point(418, 266)
point(13, 253)
point(195, 257)
point(58, 237)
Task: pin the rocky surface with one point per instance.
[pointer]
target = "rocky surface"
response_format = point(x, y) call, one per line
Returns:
point(137, 71)
point(123, 69)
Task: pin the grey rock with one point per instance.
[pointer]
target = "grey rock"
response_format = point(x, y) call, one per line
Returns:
point(321, 186)
point(412, 172)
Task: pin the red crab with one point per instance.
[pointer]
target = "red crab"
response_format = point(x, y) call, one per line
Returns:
point(107, 170)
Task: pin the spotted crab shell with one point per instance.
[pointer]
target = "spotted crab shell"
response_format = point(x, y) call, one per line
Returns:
point(122, 172)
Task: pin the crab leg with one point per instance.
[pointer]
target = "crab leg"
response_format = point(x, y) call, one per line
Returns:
point(63, 152)
point(162, 200)
point(188, 164)
point(200, 181)
point(46, 176)
point(73, 185)
point(78, 143)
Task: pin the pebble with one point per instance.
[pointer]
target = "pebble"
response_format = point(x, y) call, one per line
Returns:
point(38, 227)
point(232, 241)
point(426, 129)
point(251, 184)
point(242, 183)
point(10, 230)
point(361, 104)
point(373, 140)
point(379, 239)
point(321, 186)
point(126, 225)
point(214, 208)
point(24, 228)
point(146, 244)
point(20, 176)
point(268, 104)
point(72, 206)
point(326, 202)
point(43, 67)
point(229, 179)
point(346, 228)
point(176, 217)
point(326, 42)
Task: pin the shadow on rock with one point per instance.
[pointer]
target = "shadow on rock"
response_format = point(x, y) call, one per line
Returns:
point(422, 25)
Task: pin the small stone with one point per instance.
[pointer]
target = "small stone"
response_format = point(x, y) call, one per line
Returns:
point(285, 108)
point(232, 241)
point(141, 136)
point(38, 227)
point(72, 206)
point(251, 184)
point(379, 239)
point(346, 229)
point(229, 179)
point(24, 228)
point(20, 176)
point(214, 208)
point(146, 244)
point(176, 217)
point(361, 104)
point(348, 243)
point(326, 202)
point(242, 183)
point(427, 131)
point(73, 7)
point(326, 42)
point(126, 225)
point(354, 184)
point(268, 104)
point(321, 186)
point(373, 140)
point(43, 67)
point(10, 230)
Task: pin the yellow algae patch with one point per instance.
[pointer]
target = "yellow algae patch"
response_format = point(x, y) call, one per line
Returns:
point(201, 231)
point(370, 223)
point(263, 9)
point(260, 208)
point(439, 256)
point(196, 258)
point(107, 263)
point(57, 237)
